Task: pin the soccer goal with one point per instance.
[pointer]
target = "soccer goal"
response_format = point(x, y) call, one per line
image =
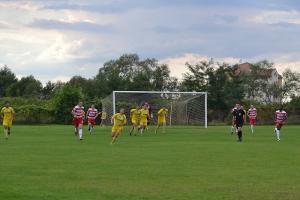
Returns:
point(185, 108)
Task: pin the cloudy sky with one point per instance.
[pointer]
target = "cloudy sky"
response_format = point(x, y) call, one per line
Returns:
point(54, 40)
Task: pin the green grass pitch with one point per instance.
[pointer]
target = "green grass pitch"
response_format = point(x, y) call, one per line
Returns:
point(48, 162)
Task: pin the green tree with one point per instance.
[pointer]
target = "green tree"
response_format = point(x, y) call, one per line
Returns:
point(26, 87)
point(64, 101)
point(7, 78)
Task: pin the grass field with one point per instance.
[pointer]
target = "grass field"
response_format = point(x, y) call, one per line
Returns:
point(48, 162)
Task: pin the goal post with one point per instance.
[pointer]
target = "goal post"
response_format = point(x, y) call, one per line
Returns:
point(185, 108)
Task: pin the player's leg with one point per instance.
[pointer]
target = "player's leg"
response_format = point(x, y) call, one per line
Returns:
point(164, 126)
point(133, 127)
point(252, 122)
point(143, 127)
point(5, 128)
point(113, 136)
point(232, 126)
point(115, 133)
point(75, 123)
point(91, 126)
point(277, 131)
point(80, 131)
point(157, 127)
point(239, 133)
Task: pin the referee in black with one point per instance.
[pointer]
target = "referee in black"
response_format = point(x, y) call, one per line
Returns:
point(240, 116)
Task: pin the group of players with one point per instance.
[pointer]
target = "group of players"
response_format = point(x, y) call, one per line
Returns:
point(140, 118)
point(91, 115)
point(239, 118)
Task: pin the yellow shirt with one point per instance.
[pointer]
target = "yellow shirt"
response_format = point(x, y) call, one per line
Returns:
point(135, 114)
point(119, 119)
point(162, 113)
point(8, 113)
point(144, 114)
point(103, 115)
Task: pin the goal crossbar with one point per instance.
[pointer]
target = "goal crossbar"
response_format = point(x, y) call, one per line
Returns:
point(162, 92)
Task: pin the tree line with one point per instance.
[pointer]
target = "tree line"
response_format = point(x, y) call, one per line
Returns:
point(52, 102)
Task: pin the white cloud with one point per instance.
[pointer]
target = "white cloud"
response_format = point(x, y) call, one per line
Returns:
point(278, 16)
point(177, 64)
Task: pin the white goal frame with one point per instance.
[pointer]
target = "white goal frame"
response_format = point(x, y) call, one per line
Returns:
point(161, 92)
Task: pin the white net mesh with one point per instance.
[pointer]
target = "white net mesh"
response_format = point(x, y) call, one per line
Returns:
point(184, 108)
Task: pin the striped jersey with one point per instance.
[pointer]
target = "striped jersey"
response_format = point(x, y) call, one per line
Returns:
point(92, 112)
point(280, 116)
point(78, 111)
point(252, 113)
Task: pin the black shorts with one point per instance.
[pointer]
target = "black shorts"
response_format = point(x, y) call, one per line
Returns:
point(239, 124)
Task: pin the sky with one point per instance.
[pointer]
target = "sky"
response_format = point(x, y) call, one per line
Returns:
point(55, 40)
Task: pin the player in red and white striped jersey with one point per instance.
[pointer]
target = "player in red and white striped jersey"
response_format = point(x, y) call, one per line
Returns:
point(280, 117)
point(252, 114)
point(78, 116)
point(92, 114)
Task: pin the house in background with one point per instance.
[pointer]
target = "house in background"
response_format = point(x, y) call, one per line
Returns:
point(273, 79)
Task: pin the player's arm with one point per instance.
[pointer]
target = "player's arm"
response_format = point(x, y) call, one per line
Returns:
point(125, 121)
point(87, 114)
point(112, 119)
point(2, 113)
point(97, 115)
point(13, 113)
point(131, 113)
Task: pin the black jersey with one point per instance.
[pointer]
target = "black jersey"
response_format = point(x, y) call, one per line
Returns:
point(239, 116)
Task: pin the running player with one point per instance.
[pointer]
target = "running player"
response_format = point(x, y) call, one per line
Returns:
point(118, 120)
point(78, 116)
point(252, 114)
point(239, 115)
point(8, 115)
point(161, 119)
point(134, 116)
point(92, 114)
point(280, 117)
point(103, 115)
point(144, 115)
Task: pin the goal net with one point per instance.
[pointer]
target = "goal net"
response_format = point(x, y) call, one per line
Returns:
point(185, 108)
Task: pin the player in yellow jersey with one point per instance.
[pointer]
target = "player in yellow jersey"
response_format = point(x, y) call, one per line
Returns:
point(144, 115)
point(134, 116)
point(161, 119)
point(118, 120)
point(103, 115)
point(8, 115)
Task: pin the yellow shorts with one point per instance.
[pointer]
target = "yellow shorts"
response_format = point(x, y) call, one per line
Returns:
point(117, 129)
point(134, 122)
point(7, 123)
point(143, 123)
point(161, 122)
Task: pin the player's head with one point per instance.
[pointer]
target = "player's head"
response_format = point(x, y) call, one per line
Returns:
point(238, 105)
point(122, 110)
point(7, 104)
point(80, 103)
point(251, 106)
point(145, 106)
point(92, 106)
point(281, 107)
point(137, 107)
